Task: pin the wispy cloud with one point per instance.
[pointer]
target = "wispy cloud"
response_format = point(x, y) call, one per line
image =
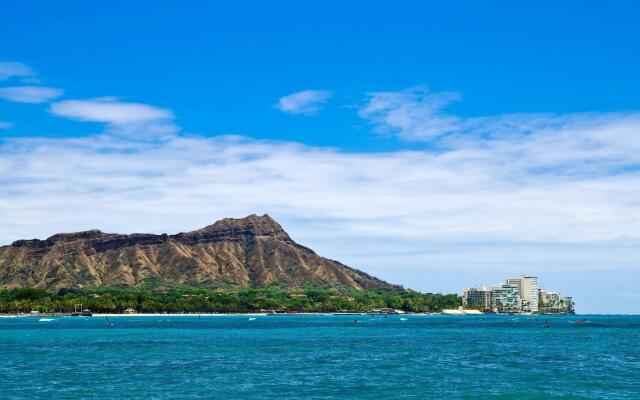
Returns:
point(109, 110)
point(596, 144)
point(574, 184)
point(307, 102)
point(136, 119)
point(30, 94)
point(5, 125)
point(415, 113)
point(15, 69)
point(546, 178)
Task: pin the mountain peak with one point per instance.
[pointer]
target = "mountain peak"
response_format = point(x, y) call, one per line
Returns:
point(91, 234)
point(249, 226)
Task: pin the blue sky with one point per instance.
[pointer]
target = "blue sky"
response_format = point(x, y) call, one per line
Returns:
point(220, 65)
point(437, 146)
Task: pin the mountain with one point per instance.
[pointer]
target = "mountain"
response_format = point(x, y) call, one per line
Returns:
point(249, 252)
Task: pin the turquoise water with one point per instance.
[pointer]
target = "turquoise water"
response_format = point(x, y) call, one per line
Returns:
point(275, 357)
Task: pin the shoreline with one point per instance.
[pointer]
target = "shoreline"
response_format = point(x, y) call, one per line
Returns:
point(101, 315)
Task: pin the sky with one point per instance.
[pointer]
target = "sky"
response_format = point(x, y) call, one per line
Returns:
point(436, 146)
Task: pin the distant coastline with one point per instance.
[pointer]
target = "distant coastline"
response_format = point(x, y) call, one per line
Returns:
point(259, 314)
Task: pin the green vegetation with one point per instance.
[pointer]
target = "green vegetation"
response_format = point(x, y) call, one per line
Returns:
point(186, 299)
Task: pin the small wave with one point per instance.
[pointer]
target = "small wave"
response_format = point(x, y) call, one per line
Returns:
point(45, 320)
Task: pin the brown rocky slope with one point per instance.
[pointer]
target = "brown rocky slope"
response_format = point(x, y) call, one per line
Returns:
point(249, 252)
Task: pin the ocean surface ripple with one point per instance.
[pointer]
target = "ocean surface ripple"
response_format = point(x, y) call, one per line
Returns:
point(320, 357)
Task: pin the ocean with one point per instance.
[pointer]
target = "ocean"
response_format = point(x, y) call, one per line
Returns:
point(320, 357)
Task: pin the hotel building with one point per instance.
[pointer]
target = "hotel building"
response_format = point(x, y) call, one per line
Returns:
point(517, 295)
point(478, 298)
point(529, 292)
point(505, 298)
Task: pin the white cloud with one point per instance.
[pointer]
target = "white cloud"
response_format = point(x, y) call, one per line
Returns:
point(413, 114)
point(416, 114)
point(307, 102)
point(109, 110)
point(30, 94)
point(122, 118)
point(15, 69)
point(579, 183)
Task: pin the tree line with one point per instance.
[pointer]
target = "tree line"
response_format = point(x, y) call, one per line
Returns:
point(191, 300)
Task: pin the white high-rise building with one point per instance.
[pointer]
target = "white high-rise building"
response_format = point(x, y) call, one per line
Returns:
point(529, 291)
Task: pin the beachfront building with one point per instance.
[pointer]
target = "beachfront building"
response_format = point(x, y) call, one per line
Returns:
point(552, 302)
point(517, 295)
point(549, 298)
point(478, 298)
point(529, 292)
point(505, 298)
